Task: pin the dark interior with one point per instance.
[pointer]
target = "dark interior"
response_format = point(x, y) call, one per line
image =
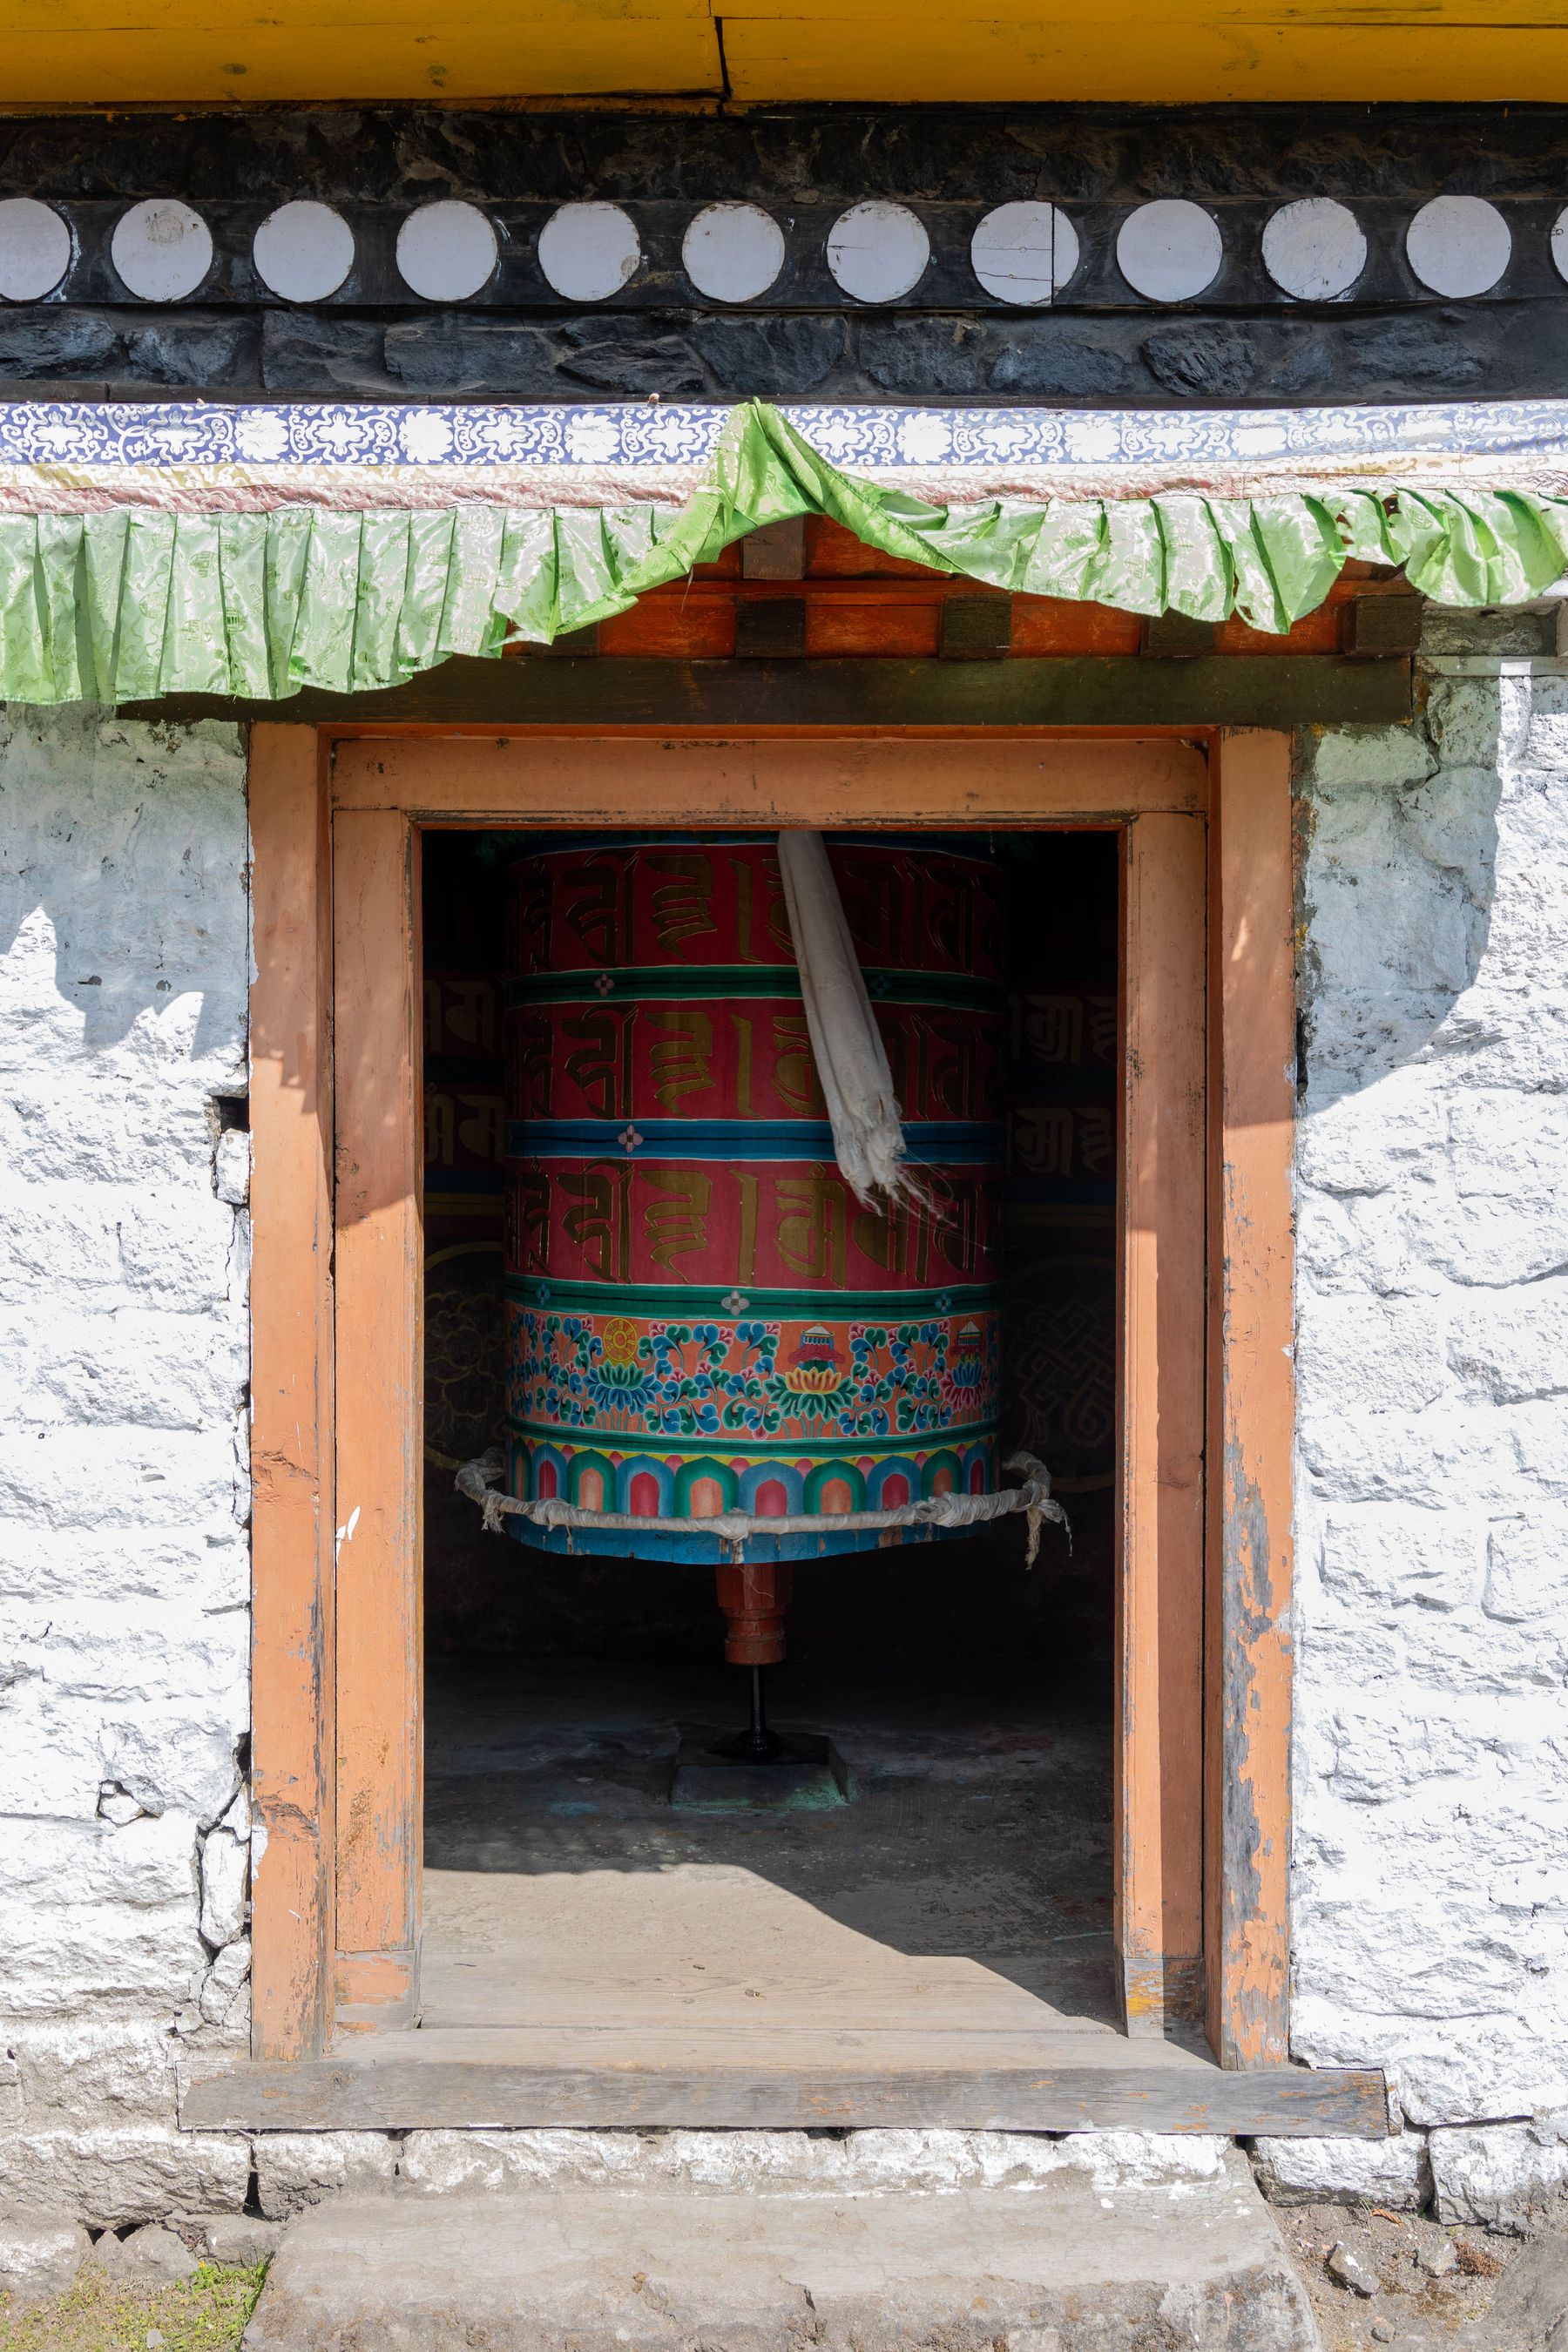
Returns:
point(969, 1694)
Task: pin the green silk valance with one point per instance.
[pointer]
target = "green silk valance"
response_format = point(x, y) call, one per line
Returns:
point(208, 582)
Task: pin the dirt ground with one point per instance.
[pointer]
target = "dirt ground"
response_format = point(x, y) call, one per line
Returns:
point(1500, 2294)
point(204, 2314)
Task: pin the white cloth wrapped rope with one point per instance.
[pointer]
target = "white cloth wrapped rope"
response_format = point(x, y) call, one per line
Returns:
point(846, 1043)
point(476, 1480)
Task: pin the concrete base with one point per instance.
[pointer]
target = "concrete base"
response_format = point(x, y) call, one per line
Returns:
point(1074, 2264)
point(805, 1776)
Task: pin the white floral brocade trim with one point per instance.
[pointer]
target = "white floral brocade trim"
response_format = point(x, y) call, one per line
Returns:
point(287, 434)
point(61, 455)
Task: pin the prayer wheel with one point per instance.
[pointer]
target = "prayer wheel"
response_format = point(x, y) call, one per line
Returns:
point(701, 1316)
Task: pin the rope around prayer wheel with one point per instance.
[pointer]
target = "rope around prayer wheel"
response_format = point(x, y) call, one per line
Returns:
point(734, 1528)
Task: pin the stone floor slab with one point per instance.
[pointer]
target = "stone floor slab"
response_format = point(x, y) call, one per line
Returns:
point(1074, 2264)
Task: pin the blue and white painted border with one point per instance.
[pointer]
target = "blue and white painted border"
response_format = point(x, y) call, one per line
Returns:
point(56, 454)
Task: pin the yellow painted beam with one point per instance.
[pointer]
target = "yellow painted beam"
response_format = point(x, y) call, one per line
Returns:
point(1079, 22)
point(601, 26)
point(185, 52)
point(180, 64)
point(1144, 57)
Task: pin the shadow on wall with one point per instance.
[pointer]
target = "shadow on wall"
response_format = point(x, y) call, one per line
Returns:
point(1432, 1347)
point(124, 859)
point(1399, 860)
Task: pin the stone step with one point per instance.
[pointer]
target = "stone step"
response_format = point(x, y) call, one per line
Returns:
point(1081, 2261)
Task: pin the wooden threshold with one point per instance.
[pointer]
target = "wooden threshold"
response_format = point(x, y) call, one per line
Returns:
point(499, 2079)
point(1110, 691)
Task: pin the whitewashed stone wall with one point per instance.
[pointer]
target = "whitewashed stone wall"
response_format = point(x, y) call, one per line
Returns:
point(1431, 1859)
point(124, 1582)
point(1430, 1884)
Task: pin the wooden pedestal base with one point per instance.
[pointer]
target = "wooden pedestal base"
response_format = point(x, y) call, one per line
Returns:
point(754, 1600)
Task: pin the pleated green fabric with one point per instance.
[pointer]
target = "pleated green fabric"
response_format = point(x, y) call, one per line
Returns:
point(134, 603)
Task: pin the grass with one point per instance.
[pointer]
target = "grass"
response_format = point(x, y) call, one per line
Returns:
point(206, 2313)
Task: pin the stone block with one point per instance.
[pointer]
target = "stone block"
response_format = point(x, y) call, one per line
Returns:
point(176, 1252)
point(652, 2268)
point(129, 1365)
point(1380, 1355)
point(53, 1132)
point(49, 1765)
point(226, 1886)
point(1377, 759)
point(112, 2175)
point(150, 2257)
point(1508, 1144)
point(1205, 361)
point(122, 1656)
point(1451, 823)
point(1483, 2060)
point(1394, 2172)
point(798, 2162)
point(951, 356)
point(1449, 629)
point(629, 357)
point(294, 2170)
point(1380, 1557)
point(52, 342)
point(41, 2250)
point(1469, 1656)
point(1534, 1895)
point(770, 358)
point(1450, 1456)
point(1411, 956)
point(60, 1238)
point(237, 2239)
point(1514, 1347)
point(1438, 351)
point(316, 352)
point(1064, 360)
point(116, 2066)
point(95, 1913)
point(1491, 1244)
point(134, 1478)
point(1369, 1142)
point(440, 2162)
point(1530, 2304)
point(208, 354)
point(1527, 1567)
point(1466, 719)
point(208, 1568)
point(174, 1765)
point(224, 1982)
point(231, 1167)
point(1384, 1752)
point(1540, 1434)
point(448, 355)
point(1348, 1245)
point(1506, 2175)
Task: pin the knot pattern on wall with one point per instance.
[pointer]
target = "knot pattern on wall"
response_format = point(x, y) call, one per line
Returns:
point(873, 254)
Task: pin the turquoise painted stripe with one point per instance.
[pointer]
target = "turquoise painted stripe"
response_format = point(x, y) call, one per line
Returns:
point(734, 1446)
point(686, 1299)
point(932, 1143)
point(697, 984)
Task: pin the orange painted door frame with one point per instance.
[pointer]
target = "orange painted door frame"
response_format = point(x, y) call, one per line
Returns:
point(1203, 1683)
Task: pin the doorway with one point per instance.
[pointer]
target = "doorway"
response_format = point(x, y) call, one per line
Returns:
point(1199, 1722)
point(583, 1870)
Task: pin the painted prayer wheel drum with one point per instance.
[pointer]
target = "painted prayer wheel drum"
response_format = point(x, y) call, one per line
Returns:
point(701, 1316)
